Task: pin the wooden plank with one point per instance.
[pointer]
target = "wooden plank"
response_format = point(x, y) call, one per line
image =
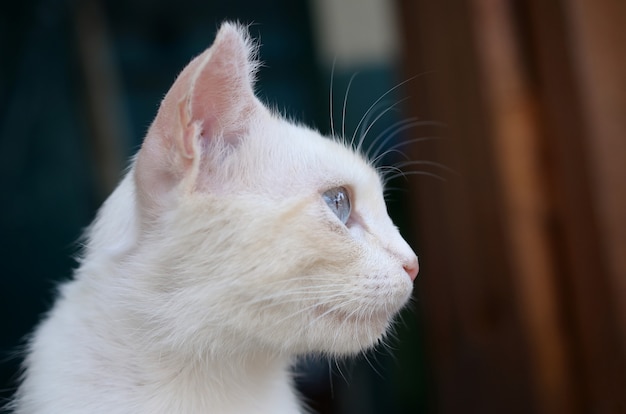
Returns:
point(597, 28)
point(478, 353)
point(583, 266)
point(516, 141)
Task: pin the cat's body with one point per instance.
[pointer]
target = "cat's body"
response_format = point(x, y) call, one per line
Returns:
point(218, 260)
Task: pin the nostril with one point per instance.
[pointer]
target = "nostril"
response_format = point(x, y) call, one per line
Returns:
point(411, 268)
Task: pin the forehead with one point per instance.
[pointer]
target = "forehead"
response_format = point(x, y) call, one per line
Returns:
point(322, 162)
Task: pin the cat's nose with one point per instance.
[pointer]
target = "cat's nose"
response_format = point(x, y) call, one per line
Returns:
point(411, 267)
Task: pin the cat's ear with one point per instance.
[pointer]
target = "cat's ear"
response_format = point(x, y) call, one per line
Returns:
point(212, 99)
point(219, 95)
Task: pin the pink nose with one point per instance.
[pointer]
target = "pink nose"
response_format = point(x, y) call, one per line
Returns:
point(411, 268)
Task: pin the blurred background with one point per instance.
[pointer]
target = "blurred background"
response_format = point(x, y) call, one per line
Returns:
point(514, 111)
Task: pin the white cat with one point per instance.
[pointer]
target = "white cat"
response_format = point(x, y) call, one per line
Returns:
point(236, 242)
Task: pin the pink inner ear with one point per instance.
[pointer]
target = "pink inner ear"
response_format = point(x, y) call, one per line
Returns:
point(221, 96)
point(188, 130)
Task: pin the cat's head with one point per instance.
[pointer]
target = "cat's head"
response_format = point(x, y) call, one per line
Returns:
point(258, 232)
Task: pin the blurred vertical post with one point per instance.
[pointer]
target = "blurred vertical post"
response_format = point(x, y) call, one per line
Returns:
point(523, 278)
point(515, 132)
point(578, 54)
point(102, 94)
point(599, 28)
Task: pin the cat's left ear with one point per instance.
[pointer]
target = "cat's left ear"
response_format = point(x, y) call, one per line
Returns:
point(211, 100)
point(220, 96)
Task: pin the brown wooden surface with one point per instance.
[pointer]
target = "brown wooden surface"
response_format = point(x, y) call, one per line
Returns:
point(523, 253)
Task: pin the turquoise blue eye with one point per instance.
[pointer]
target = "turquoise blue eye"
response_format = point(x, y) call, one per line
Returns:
point(338, 200)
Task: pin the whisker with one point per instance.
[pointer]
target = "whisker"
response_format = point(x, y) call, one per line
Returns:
point(374, 122)
point(372, 365)
point(282, 300)
point(330, 379)
point(405, 123)
point(332, 78)
point(380, 98)
point(405, 173)
point(333, 309)
point(270, 305)
point(383, 171)
point(408, 142)
point(391, 190)
point(296, 297)
point(403, 127)
point(365, 121)
point(314, 305)
point(343, 376)
point(390, 151)
point(425, 162)
point(345, 102)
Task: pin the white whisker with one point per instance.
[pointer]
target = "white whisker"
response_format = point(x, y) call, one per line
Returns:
point(405, 124)
point(345, 102)
point(406, 173)
point(365, 121)
point(332, 78)
point(403, 127)
point(380, 98)
point(374, 122)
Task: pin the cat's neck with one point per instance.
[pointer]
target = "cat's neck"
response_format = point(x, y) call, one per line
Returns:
point(117, 332)
point(199, 383)
point(136, 374)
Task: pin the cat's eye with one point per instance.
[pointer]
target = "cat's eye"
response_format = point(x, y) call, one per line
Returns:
point(338, 200)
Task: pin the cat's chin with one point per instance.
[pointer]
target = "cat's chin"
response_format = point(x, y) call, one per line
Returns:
point(353, 332)
point(342, 317)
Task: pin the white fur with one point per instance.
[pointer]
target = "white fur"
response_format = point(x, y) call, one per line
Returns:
point(216, 262)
